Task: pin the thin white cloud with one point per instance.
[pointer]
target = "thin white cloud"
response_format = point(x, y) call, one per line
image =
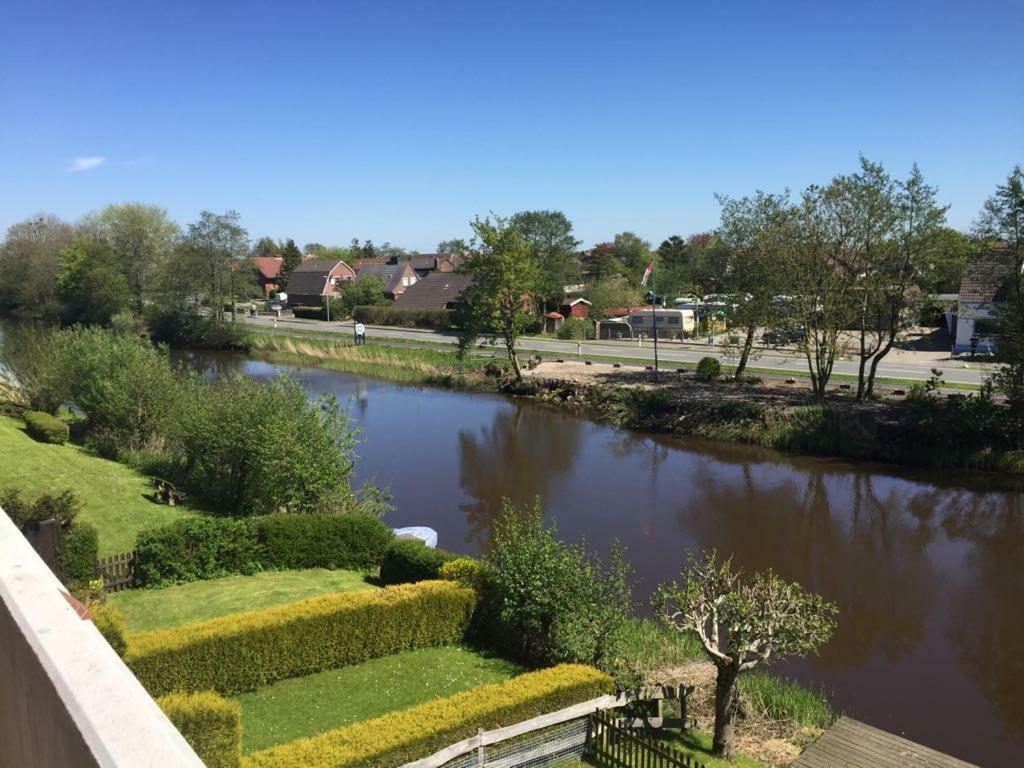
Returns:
point(85, 164)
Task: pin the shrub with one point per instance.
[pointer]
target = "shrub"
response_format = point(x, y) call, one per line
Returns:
point(255, 447)
point(708, 369)
point(196, 548)
point(435, 319)
point(108, 620)
point(575, 328)
point(553, 601)
point(211, 724)
point(323, 541)
point(62, 507)
point(78, 552)
point(46, 428)
point(466, 571)
point(399, 737)
point(309, 313)
point(243, 651)
point(411, 560)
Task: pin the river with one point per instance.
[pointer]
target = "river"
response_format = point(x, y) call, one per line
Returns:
point(927, 567)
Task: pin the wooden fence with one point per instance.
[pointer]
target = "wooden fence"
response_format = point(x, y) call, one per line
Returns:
point(609, 745)
point(118, 571)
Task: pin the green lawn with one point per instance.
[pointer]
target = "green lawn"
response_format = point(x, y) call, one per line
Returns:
point(305, 706)
point(146, 609)
point(115, 499)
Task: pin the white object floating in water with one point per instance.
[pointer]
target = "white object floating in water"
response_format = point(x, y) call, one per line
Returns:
point(427, 535)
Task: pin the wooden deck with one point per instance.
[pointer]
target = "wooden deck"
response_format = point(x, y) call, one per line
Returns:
point(852, 744)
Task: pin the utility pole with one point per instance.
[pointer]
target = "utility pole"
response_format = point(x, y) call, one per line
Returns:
point(654, 323)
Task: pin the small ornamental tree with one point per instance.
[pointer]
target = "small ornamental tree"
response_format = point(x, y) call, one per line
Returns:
point(742, 624)
point(506, 279)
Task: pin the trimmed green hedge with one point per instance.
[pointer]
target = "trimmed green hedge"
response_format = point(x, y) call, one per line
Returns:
point(46, 428)
point(309, 313)
point(196, 548)
point(79, 548)
point(243, 651)
point(357, 542)
point(205, 548)
point(436, 319)
point(211, 724)
point(410, 734)
point(409, 560)
point(110, 623)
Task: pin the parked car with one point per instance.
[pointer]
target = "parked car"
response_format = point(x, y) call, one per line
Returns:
point(777, 337)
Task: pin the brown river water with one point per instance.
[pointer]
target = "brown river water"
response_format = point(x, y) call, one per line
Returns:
point(927, 567)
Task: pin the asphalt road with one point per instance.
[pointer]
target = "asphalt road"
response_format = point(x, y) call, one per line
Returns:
point(954, 372)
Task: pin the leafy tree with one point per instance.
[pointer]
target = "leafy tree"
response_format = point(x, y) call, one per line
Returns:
point(267, 246)
point(633, 254)
point(600, 263)
point(259, 447)
point(742, 624)
point(506, 276)
point(213, 253)
point(820, 292)
point(755, 229)
point(141, 236)
point(555, 602)
point(953, 251)
point(611, 293)
point(890, 231)
point(673, 254)
point(313, 248)
point(455, 245)
point(709, 263)
point(32, 355)
point(292, 257)
point(549, 237)
point(92, 286)
point(30, 260)
point(1002, 220)
point(365, 292)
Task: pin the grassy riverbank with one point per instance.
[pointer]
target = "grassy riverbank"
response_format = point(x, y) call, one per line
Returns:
point(407, 365)
point(115, 499)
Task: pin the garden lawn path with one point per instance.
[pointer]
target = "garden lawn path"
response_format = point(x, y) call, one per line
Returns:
point(115, 499)
point(146, 609)
point(306, 706)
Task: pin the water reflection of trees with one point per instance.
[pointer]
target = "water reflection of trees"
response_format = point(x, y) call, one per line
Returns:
point(987, 628)
point(521, 455)
point(833, 533)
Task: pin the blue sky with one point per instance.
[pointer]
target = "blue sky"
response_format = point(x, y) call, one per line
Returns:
point(400, 121)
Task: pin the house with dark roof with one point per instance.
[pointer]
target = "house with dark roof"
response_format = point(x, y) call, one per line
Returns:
point(310, 281)
point(425, 263)
point(268, 273)
point(984, 285)
point(438, 290)
point(394, 278)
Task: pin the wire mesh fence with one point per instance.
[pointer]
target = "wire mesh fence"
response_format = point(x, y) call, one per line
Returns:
point(554, 745)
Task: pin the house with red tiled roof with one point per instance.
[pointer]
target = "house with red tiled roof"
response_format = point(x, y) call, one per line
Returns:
point(268, 273)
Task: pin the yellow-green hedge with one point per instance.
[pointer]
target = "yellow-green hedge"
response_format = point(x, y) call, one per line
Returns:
point(410, 734)
point(210, 723)
point(243, 651)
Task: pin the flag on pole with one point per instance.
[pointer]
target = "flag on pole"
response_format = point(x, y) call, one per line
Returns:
point(647, 273)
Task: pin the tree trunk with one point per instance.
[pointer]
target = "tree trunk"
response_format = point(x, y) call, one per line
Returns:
point(748, 342)
point(727, 704)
